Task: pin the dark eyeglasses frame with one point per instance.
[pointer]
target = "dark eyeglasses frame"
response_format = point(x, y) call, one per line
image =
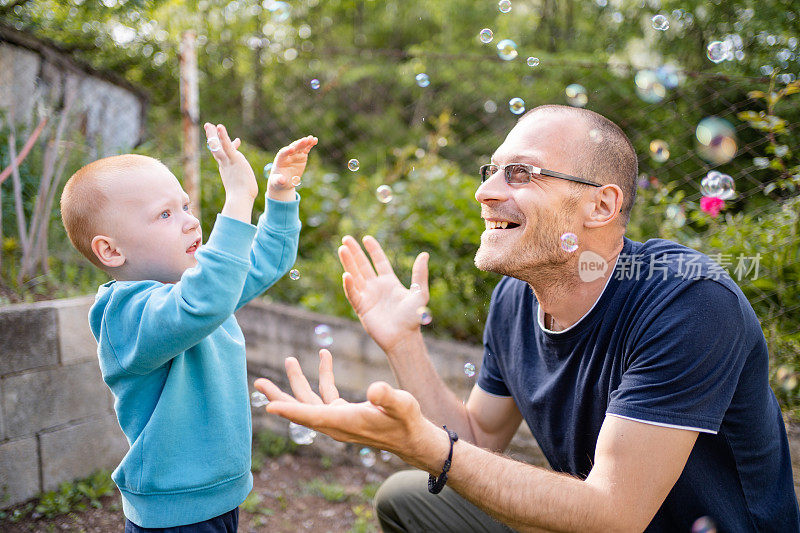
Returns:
point(532, 170)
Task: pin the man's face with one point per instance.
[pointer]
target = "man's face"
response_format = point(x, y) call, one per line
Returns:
point(152, 225)
point(539, 212)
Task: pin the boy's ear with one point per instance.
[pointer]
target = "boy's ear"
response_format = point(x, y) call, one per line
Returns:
point(107, 252)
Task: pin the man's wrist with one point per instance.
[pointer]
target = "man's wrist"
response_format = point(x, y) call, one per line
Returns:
point(434, 448)
point(411, 342)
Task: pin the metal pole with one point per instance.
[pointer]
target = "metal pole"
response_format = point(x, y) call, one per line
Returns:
point(191, 119)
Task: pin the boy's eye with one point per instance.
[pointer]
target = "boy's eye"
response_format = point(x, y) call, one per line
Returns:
point(185, 207)
point(164, 214)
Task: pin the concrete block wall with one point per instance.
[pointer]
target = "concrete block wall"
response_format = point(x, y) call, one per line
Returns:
point(56, 415)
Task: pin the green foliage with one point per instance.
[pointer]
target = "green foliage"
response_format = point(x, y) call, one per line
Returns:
point(253, 505)
point(365, 519)
point(269, 444)
point(75, 496)
point(331, 491)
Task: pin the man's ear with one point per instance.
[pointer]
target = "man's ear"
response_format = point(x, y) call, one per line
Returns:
point(107, 252)
point(605, 207)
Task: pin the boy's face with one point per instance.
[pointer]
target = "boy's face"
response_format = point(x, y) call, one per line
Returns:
point(152, 225)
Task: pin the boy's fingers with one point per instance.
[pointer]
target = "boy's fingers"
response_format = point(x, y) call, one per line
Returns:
point(272, 391)
point(237, 142)
point(225, 140)
point(297, 380)
point(327, 386)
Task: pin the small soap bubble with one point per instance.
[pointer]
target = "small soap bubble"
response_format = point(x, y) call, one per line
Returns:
point(213, 144)
point(649, 87)
point(576, 95)
point(532, 61)
point(760, 162)
point(716, 140)
point(353, 165)
point(595, 136)
point(704, 525)
point(386, 456)
point(323, 335)
point(660, 22)
point(516, 106)
point(415, 287)
point(490, 106)
point(422, 79)
point(659, 150)
point(301, 435)
point(425, 316)
point(295, 181)
point(676, 214)
point(469, 369)
point(384, 194)
point(504, 6)
point(294, 274)
point(486, 35)
point(718, 184)
point(569, 242)
point(367, 457)
point(507, 49)
point(314, 84)
point(716, 51)
point(258, 399)
point(267, 170)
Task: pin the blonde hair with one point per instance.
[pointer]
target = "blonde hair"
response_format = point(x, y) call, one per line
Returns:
point(85, 198)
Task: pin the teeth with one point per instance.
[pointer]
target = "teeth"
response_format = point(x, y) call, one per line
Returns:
point(496, 224)
point(504, 224)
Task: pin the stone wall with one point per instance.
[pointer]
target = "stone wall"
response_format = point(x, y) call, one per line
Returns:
point(56, 415)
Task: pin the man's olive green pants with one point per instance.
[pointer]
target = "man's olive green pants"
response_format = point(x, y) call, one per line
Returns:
point(403, 504)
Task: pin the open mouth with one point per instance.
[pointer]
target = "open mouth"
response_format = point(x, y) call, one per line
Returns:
point(500, 224)
point(193, 248)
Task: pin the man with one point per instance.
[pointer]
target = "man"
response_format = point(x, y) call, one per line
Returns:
point(645, 382)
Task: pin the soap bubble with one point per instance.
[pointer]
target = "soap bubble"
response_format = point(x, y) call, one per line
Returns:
point(660, 22)
point(569, 242)
point(717, 184)
point(576, 95)
point(267, 170)
point(301, 434)
point(295, 181)
point(486, 35)
point(761, 162)
point(323, 335)
point(504, 6)
point(676, 214)
point(213, 144)
point(649, 86)
point(314, 84)
point(386, 456)
point(425, 316)
point(659, 150)
point(704, 525)
point(716, 139)
point(469, 369)
point(353, 164)
point(516, 106)
point(384, 194)
point(669, 76)
point(507, 49)
point(367, 457)
point(422, 79)
point(717, 51)
point(258, 399)
point(490, 106)
point(294, 274)
point(533, 61)
point(415, 287)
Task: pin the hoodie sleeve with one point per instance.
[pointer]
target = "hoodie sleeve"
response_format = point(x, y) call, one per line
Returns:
point(148, 323)
point(275, 247)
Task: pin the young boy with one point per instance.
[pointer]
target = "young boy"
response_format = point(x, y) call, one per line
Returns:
point(170, 348)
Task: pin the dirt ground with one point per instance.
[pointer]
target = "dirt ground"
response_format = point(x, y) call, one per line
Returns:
point(301, 491)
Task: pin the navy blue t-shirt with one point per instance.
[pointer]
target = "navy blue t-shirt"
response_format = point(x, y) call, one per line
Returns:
point(671, 341)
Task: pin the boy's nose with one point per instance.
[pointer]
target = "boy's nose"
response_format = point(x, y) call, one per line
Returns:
point(191, 223)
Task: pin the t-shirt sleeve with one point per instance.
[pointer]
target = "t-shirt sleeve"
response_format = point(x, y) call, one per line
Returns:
point(684, 364)
point(490, 376)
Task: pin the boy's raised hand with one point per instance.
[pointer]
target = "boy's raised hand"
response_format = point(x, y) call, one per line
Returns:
point(241, 187)
point(288, 168)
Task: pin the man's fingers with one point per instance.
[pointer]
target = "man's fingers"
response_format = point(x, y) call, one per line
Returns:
point(350, 266)
point(379, 259)
point(297, 380)
point(360, 260)
point(419, 273)
point(351, 292)
point(272, 391)
point(327, 385)
point(396, 403)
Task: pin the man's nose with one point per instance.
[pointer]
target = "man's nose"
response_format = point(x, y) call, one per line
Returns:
point(494, 189)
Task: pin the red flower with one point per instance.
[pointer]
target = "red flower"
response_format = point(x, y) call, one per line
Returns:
point(711, 205)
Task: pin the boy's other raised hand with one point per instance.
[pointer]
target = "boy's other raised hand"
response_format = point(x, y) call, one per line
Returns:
point(241, 187)
point(288, 168)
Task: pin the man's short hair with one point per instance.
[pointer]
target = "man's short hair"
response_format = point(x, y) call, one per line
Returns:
point(84, 201)
point(607, 156)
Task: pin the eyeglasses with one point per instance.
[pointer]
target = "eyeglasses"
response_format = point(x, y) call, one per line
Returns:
point(521, 174)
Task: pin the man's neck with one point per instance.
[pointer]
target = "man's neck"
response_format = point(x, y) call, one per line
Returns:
point(565, 298)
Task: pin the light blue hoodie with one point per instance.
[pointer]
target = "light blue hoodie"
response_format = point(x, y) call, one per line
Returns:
point(174, 357)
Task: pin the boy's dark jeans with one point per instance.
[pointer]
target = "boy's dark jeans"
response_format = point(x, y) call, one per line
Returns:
point(224, 523)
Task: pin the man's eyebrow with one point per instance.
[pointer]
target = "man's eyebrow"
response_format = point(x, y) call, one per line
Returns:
point(519, 158)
